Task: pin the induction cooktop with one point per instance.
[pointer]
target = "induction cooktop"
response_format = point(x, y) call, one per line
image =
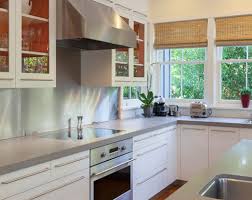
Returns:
point(85, 133)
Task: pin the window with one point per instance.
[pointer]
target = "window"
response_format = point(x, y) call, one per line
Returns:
point(182, 72)
point(131, 92)
point(236, 70)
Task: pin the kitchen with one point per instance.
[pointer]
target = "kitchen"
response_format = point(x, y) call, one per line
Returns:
point(78, 83)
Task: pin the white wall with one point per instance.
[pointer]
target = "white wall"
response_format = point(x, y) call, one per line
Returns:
point(172, 10)
point(138, 5)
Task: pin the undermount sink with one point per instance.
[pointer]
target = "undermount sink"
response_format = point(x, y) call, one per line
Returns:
point(228, 187)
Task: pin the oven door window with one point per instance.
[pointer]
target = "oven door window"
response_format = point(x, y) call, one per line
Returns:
point(115, 186)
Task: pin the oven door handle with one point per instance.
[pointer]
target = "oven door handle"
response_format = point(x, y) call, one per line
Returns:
point(107, 170)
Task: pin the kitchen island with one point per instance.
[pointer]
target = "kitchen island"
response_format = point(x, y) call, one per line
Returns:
point(237, 161)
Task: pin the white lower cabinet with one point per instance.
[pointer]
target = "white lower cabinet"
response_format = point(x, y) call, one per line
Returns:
point(75, 187)
point(155, 163)
point(221, 139)
point(194, 150)
point(62, 179)
point(245, 134)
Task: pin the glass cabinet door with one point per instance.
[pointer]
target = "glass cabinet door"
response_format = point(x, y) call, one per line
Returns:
point(139, 52)
point(4, 36)
point(122, 60)
point(7, 44)
point(36, 44)
point(35, 36)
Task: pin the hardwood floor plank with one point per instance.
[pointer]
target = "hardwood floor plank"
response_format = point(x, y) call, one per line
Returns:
point(169, 190)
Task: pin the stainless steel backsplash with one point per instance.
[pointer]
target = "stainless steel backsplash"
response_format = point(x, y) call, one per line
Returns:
point(46, 109)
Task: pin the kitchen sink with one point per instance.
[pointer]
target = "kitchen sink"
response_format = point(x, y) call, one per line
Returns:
point(228, 187)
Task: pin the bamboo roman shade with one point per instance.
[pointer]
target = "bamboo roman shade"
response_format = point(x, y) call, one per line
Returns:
point(234, 30)
point(181, 34)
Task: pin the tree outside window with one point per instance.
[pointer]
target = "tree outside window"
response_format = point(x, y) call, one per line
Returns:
point(182, 72)
point(236, 70)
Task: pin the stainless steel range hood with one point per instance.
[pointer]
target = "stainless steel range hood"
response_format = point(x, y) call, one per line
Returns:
point(86, 24)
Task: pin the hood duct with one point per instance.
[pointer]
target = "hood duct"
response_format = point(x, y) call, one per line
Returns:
point(88, 25)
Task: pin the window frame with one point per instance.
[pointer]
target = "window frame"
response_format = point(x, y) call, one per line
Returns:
point(130, 104)
point(184, 102)
point(222, 102)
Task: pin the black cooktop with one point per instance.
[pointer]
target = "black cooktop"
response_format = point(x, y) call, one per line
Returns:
point(85, 133)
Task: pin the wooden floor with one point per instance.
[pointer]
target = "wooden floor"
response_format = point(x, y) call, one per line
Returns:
point(169, 190)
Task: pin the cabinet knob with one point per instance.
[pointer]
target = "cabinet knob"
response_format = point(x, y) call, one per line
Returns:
point(103, 155)
point(123, 148)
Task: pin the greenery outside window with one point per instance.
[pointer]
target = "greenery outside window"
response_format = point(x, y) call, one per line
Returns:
point(130, 97)
point(236, 70)
point(182, 72)
point(131, 92)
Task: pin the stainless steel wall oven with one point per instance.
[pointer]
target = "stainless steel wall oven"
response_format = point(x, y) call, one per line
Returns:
point(111, 171)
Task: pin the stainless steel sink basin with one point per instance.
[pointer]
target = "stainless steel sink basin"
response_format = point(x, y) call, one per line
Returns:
point(228, 187)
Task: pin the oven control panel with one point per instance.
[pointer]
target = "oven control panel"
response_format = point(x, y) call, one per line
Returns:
point(108, 152)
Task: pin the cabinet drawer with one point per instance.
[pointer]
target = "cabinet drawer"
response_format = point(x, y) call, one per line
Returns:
point(75, 186)
point(22, 180)
point(69, 165)
point(151, 158)
point(151, 186)
point(150, 138)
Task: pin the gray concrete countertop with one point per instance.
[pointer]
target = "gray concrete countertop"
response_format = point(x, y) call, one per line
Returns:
point(24, 152)
point(237, 161)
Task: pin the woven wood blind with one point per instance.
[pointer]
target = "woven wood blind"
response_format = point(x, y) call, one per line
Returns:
point(234, 30)
point(181, 34)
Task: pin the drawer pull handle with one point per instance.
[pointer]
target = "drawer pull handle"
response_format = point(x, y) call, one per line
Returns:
point(112, 168)
point(158, 134)
point(146, 138)
point(71, 162)
point(142, 154)
point(223, 131)
point(159, 172)
point(57, 188)
point(195, 129)
point(25, 176)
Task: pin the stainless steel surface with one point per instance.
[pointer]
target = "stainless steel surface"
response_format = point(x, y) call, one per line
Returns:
point(109, 168)
point(111, 151)
point(45, 110)
point(229, 187)
point(10, 106)
point(90, 25)
point(200, 110)
point(112, 168)
point(86, 134)
point(173, 110)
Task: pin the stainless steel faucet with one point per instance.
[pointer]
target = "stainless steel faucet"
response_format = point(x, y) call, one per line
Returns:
point(69, 127)
point(79, 125)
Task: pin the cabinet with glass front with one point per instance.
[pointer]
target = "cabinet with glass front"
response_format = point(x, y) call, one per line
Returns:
point(131, 64)
point(27, 43)
point(7, 46)
point(36, 43)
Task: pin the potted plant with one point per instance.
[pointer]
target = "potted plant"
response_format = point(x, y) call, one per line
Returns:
point(245, 97)
point(147, 103)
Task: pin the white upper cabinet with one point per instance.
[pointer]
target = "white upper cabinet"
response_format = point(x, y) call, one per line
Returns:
point(7, 44)
point(119, 67)
point(27, 43)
